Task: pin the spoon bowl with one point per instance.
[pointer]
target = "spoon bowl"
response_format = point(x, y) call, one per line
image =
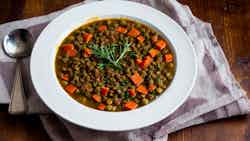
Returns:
point(18, 43)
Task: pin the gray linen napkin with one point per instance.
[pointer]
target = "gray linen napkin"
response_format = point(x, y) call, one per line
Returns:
point(216, 93)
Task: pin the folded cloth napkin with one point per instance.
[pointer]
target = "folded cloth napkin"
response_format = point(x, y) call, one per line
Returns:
point(216, 93)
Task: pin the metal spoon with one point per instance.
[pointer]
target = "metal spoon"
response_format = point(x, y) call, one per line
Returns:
point(18, 44)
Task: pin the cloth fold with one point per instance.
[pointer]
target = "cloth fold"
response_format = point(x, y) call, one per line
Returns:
point(216, 93)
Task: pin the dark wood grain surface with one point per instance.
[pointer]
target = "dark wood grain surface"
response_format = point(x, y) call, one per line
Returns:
point(231, 23)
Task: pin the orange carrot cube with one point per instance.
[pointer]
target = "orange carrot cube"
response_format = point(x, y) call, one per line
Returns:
point(160, 44)
point(104, 91)
point(87, 52)
point(69, 49)
point(101, 106)
point(136, 79)
point(153, 52)
point(140, 38)
point(130, 105)
point(168, 58)
point(97, 98)
point(87, 37)
point(151, 87)
point(132, 92)
point(146, 62)
point(142, 89)
point(138, 61)
point(102, 28)
point(121, 29)
point(134, 32)
point(65, 77)
point(70, 88)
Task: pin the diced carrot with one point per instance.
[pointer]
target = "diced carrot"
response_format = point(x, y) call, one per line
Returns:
point(140, 38)
point(130, 105)
point(146, 61)
point(132, 92)
point(168, 58)
point(151, 87)
point(136, 79)
point(104, 91)
point(142, 89)
point(101, 106)
point(69, 50)
point(72, 53)
point(97, 98)
point(154, 38)
point(67, 47)
point(153, 52)
point(121, 29)
point(160, 44)
point(102, 28)
point(87, 37)
point(138, 61)
point(65, 77)
point(87, 52)
point(134, 32)
point(70, 88)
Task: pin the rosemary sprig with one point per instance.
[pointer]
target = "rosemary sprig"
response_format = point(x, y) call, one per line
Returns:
point(123, 51)
point(111, 53)
point(132, 54)
point(101, 65)
point(107, 53)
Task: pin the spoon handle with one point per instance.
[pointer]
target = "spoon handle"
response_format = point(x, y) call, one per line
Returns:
point(18, 103)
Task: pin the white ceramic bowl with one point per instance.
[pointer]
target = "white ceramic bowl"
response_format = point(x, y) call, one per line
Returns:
point(47, 86)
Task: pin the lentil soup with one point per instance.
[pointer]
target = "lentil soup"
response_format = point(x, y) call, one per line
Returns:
point(114, 64)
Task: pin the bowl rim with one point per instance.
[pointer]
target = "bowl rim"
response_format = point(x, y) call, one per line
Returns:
point(114, 117)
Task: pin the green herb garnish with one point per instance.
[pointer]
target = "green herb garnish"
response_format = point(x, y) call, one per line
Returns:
point(132, 54)
point(154, 93)
point(124, 82)
point(126, 95)
point(95, 84)
point(100, 66)
point(158, 66)
point(111, 53)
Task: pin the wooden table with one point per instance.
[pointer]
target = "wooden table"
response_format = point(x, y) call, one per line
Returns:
point(231, 23)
